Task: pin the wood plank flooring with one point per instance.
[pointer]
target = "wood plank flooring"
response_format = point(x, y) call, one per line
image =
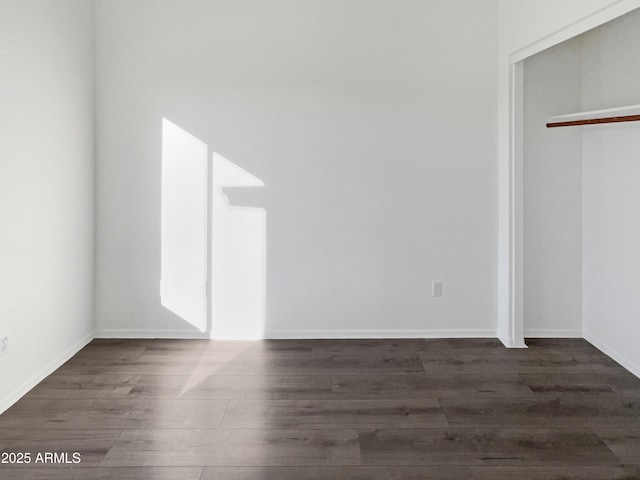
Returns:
point(330, 410)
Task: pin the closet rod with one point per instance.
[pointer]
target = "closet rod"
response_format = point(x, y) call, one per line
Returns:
point(595, 121)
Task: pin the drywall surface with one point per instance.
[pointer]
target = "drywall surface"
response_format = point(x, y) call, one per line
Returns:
point(552, 195)
point(611, 224)
point(372, 128)
point(46, 187)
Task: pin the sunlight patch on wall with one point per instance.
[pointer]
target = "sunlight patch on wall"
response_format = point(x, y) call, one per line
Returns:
point(237, 244)
point(239, 257)
point(184, 225)
point(228, 174)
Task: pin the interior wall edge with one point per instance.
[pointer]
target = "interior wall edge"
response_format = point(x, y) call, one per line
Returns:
point(94, 177)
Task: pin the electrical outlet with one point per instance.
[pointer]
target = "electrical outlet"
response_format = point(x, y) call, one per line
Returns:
point(4, 343)
point(436, 288)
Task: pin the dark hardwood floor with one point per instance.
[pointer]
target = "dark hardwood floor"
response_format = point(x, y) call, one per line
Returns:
point(330, 410)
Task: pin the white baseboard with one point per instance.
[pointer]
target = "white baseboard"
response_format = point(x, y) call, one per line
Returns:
point(303, 334)
point(613, 353)
point(338, 334)
point(509, 342)
point(149, 334)
point(51, 367)
point(552, 333)
point(233, 335)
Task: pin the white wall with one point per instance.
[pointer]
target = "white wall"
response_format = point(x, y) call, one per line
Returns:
point(611, 229)
point(46, 187)
point(372, 125)
point(552, 195)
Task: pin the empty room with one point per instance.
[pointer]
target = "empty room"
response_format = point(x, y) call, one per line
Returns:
point(319, 239)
